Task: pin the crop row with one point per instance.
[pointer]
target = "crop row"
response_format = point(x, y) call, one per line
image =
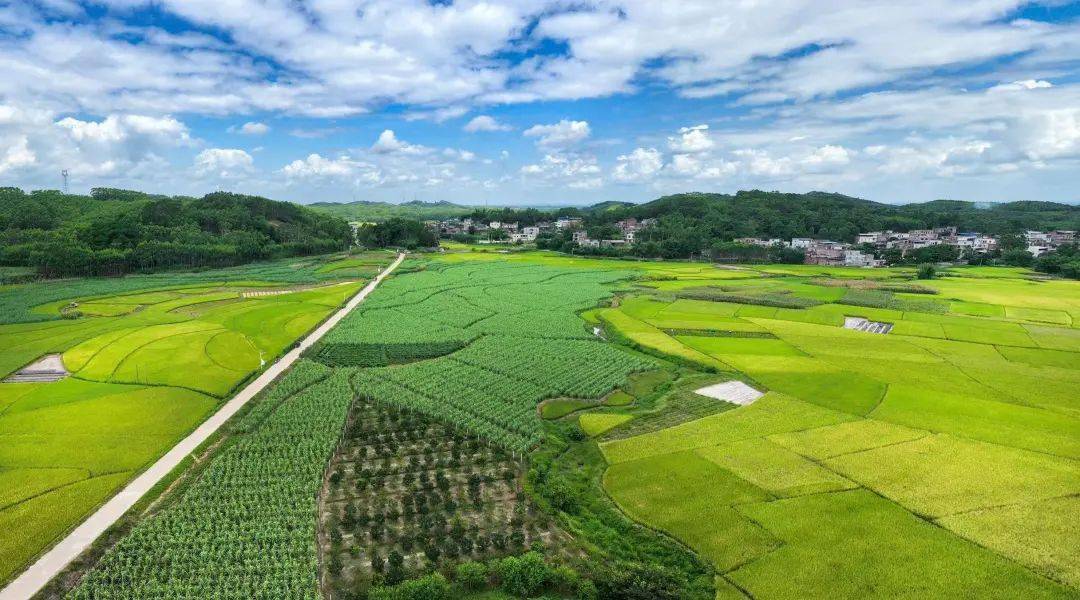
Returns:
point(244, 528)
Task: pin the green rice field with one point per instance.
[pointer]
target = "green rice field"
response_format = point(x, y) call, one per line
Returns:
point(939, 460)
point(145, 367)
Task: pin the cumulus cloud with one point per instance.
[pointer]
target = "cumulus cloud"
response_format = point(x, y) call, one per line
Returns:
point(36, 143)
point(388, 143)
point(223, 163)
point(250, 128)
point(1049, 134)
point(575, 172)
point(691, 140)
point(120, 128)
point(640, 165)
point(18, 154)
point(316, 166)
point(485, 123)
point(563, 134)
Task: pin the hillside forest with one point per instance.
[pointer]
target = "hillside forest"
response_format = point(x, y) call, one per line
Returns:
point(114, 232)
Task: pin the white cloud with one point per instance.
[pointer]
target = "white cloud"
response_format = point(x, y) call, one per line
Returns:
point(826, 158)
point(330, 59)
point(316, 166)
point(575, 172)
point(388, 143)
point(485, 123)
point(35, 144)
point(1049, 134)
point(1026, 84)
point(791, 102)
point(438, 115)
point(458, 154)
point(250, 128)
point(563, 134)
point(640, 165)
point(691, 140)
point(119, 128)
point(223, 163)
point(17, 155)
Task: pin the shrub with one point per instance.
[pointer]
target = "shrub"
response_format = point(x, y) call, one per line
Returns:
point(564, 580)
point(523, 576)
point(471, 575)
point(430, 587)
point(926, 271)
point(638, 581)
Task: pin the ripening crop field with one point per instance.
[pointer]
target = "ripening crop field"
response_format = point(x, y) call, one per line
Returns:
point(146, 367)
point(941, 457)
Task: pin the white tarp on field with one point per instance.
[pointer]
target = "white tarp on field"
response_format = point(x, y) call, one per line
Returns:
point(735, 392)
point(46, 369)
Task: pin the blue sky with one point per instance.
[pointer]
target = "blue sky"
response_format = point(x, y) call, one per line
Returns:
point(543, 101)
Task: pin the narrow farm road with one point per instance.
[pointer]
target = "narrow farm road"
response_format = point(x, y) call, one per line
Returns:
point(56, 559)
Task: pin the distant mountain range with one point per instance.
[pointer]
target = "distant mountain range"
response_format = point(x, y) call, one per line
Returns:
point(754, 212)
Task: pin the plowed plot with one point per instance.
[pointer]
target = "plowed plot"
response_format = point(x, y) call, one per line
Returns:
point(402, 486)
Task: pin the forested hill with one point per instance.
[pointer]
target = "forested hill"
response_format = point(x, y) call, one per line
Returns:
point(112, 232)
point(833, 216)
point(377, 212)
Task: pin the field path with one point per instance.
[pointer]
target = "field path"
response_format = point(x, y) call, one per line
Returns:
point(56, 559)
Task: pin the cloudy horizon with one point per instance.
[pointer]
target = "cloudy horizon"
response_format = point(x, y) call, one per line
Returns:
point(543, 102)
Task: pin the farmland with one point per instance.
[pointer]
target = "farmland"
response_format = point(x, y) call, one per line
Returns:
point(934, 447)
point(430, 471)
point(147, 362)
point(467, 420)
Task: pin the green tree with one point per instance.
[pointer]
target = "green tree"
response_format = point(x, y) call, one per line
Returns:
point(523, 576)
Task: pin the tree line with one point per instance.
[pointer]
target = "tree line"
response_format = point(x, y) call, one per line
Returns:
point(114, 232)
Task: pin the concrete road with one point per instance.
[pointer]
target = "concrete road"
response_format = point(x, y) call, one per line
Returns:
point(66, 550)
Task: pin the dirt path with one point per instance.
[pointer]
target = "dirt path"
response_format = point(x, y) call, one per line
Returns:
point(56, 559)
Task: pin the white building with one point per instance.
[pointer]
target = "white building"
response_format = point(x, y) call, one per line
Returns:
point(802, 243)
point(529, 233)
point(568, 223)
point(873, 237)
point(857, 258)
